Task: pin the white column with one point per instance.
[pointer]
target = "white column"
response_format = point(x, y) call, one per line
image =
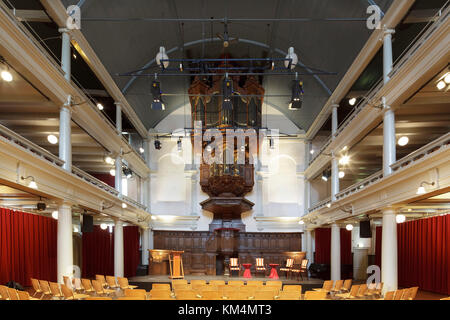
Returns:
point(118, 176)
point(334, 177)
point(65, 242)
point(118, 249)
point(334, 120)
point(307, 196)
point(309, 246)
point(335, 252)
point(387, 53)
point(389, 251)
point(118, 118)
point(145, 246)
point(65, 144)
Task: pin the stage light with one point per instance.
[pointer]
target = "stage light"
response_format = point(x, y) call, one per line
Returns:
point(161, 55)
point(421, 189)
point(158, 103)
point(349, 227)
point(293, 57)
point(352, 101)
point(104, 226)
point(7, 76)
point(297, 95)
point(158, 145)
point(32, 184)
point(112, 172)
point(341, 174)
point(400, 218)
point(325, 175)
point(141, 150)
point(403, 141)
point(52, 139)
point(127, 172)
point(100, 106)
point(55, 215)
point(344, 160)
point(227, 92)
point(440, 85)
point(124, 205)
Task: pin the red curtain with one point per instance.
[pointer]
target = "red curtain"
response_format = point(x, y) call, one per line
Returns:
point(27, 247)
point(98, 252)
point(323, 246)
point(424, 254)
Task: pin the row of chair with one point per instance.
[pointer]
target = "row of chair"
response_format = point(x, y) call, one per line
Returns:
point(402, 294)
point(290, 268)
point(13, 294)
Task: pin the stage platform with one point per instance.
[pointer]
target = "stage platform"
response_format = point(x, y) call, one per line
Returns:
point(145, 282)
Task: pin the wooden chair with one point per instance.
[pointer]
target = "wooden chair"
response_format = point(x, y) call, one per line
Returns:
point(234, 266)
point(77, 284)
point(4, 293)
point(70, 295)
point(181, 286)
point(448, 298)
point(102, 280)
point(45, 287)
point(23, 295)
point(100, 289)
point(389, 295)
point(315, 295)
point(112, 283)
point(210, 288)
point(250, 291)
point(186, 295)
point(161, 286)
point(132, 298)
point(326, 287)
point(337, 286)
point(264, 295)
point(12, 294)
point(236, 295)
point(160, 295)
point(55, 290)
point(287, 267)
point(274, 291)
point(123, 283)
point(412, 293)
point(362, 291)
point(216, 282)
point(136, 293)
point(98, 298)
point(292, 288)
point(374, 289)
point(351, 294)
point(399, 294)
point(255, 283)
point(87, 285)
point(260, 267)
point(211, 295)
point(347, 285)
point(67, 281)
point(198, 282)
point(289, 295)
point(234, 283)
point(179, 281)
point(36, 287)
point(276, 284)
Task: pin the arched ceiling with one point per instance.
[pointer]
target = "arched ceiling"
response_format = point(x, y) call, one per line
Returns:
point(125, 43)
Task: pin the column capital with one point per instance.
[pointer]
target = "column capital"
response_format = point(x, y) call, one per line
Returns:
point(118, 103)
point(387, 30)
point(64, 30)
point(389, 210)
point(118, 222)
point(334, 105)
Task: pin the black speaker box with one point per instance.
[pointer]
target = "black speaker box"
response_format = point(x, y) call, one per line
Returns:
point(364, 229)
point(87, 224)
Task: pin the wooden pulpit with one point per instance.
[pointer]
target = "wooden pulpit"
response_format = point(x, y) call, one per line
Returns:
point(176, 265)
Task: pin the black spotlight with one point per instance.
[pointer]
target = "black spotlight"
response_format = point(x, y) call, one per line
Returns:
point(297, 95)
point(326, 175)
point(41, 206)
point(158, 103)
point(127, 172)
point(227, 90)
point(158, 145)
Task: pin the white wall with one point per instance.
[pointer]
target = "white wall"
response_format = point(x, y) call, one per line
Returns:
point(279, 184)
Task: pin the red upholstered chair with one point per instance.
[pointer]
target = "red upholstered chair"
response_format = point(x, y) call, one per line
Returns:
point(234, 266)
point(287, 268)
point(260, 266)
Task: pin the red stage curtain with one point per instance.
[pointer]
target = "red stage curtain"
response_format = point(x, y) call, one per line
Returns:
point(424, 254)
point(323, 246)
point(378, 237)
point(98, 252)
point(27, 247)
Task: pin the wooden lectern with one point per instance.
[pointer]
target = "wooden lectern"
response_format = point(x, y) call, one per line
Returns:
point(176, 265)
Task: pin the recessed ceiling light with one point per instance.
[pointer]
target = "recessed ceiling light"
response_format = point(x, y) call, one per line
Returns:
point(52, 139)
point(440, 85)
point(100, 106)
point(447, 78)
point(352, 101)
point(403, 141)
point(7, 76)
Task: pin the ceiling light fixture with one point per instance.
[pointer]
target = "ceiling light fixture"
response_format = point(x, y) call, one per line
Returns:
point(104, 226)
point(344, 148)
point(6, 74)
point(349, 227)
point(127, 172)
point(100, 106)
point(341, 174)
point(55, 215)
point(161, 55)
point(109, 160)
point(325, 175)
point(328, 205)
point(158, 145)
point(403, 141)
point(447, 78)
point(352, 101)
point(158, 103)
point(301, 222)
point(179, 145)
point(52, 139)
point(75, 229)
point(141, 150)
point(421, 189)
point(271, 143)
point(312, 151)
point(32, 184)
point(112, 172)
point(292, 56)
point(400, 218)
point(344, 160)
point(441, 85)
point(124, 205)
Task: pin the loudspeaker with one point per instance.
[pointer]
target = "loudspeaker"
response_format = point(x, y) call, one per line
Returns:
point(364, 229)
point(41, 206)
point(87, 224)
